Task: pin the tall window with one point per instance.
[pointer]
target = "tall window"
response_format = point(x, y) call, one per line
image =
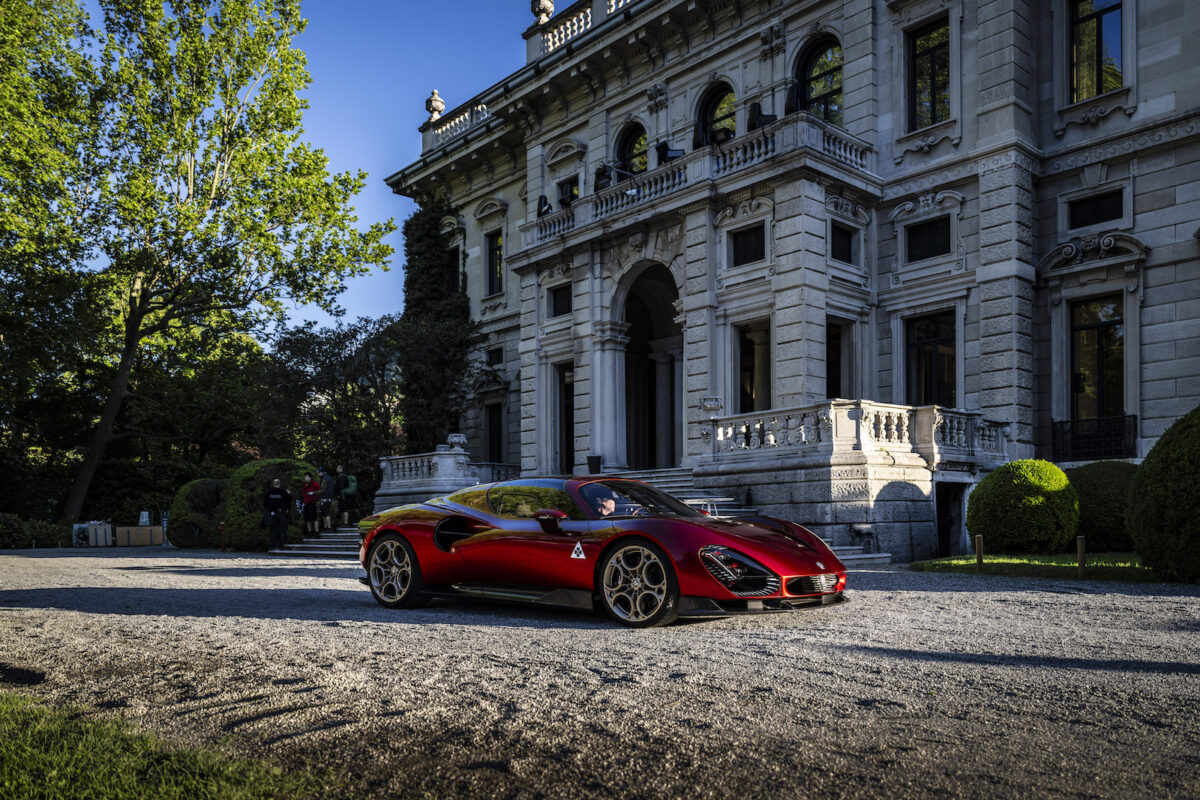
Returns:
point(1097, 358)
point(717, 121)
point(928, 239)
point(931, 360)
point(495, 263)
point(631, 150)
point(821, 81)
point(929, 75)
point(1095, 48)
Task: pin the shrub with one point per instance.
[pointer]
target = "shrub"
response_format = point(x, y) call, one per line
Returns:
point(1165, 506)
point(1103, 488)
point(1024, 506)
point(47, 534)
point(243, 506)
point(192, 520)
point(12, 532)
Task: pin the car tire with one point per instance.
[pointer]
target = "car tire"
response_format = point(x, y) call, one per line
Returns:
point(637, 585)
point(393, 572)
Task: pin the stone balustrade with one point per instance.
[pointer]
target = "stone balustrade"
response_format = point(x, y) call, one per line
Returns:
point(411, 479)
point(562, 28)
point(707, 163)
point(937, 434)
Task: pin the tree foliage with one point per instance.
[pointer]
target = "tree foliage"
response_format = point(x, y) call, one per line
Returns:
point(171, 146)
point(435, 335)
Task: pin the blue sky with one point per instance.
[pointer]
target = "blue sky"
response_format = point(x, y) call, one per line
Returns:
point(372, 66)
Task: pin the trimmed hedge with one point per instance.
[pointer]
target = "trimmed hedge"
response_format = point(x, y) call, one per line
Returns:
point(1164, 512)
point(12, 532)
point(192, 520)
point(1025, 506)
point(243, 506)
point(1103, 488)
point(17, 534)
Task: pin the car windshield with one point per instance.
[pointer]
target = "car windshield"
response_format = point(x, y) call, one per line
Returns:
point(618, 498)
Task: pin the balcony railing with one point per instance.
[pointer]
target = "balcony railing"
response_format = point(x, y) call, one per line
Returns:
point(1092, 439)
point(714, 162)
point(935, 433)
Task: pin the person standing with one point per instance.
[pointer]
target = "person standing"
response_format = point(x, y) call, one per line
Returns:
point(347, 491)
point(309, 492)
point(327, 494)
point(277, 503)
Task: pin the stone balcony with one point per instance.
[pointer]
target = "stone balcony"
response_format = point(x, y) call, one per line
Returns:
point(568, 25)
point(822, 431)
point(797, 135)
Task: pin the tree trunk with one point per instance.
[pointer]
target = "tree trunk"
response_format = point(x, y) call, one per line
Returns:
point(103, 434)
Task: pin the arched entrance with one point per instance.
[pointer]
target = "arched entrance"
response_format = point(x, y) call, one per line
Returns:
point(653, 371)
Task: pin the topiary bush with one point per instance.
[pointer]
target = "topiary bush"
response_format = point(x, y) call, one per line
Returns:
point(1025, 506)
point(12, 532)
point(192, 520)
point(1164, 509)
point(242, 510)
point(1103, 488)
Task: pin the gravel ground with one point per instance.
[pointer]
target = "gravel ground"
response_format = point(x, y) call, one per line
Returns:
point(921, 686)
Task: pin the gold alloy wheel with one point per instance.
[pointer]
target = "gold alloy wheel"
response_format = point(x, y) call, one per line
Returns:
point(391, 571)
point(635, 583)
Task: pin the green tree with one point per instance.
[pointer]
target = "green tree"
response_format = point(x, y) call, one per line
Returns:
point(349, 412)
point(214, 211)
point(435, 335)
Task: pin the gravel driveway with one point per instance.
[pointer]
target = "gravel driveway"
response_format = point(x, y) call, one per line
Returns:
point(921, 686)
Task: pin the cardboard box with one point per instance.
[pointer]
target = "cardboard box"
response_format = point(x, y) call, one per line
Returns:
point(139, 536)
point(99, 534)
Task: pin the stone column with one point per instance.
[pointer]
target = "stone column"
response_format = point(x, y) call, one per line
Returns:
point(608, 392)
point(664, 416)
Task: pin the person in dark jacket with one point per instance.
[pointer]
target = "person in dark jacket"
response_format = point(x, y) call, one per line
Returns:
point(277, 502)
point(347, 496)
point(327, 494)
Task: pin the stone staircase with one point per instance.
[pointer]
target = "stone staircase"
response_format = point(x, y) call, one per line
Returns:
point(340, 543)
point(678, 482)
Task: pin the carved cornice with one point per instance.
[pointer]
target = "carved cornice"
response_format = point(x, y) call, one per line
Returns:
point(490, 206)
point(750, 207)
point(1091, 252)
point(927, 204)
point(1127, 145)
point(844, 207)
point(564, 150)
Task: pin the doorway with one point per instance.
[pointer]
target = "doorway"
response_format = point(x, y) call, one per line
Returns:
point(948, 499)
point(653, 372)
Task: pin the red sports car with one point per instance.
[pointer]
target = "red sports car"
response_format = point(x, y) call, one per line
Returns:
point(642, 555)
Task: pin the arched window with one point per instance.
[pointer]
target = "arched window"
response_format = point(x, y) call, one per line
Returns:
point(717, 121)
point(820, 81)
point(631, 150)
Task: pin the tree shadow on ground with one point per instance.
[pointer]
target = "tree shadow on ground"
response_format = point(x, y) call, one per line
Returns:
point(1027, 661)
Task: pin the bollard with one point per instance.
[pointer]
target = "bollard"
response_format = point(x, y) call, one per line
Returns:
point(1081, 549)
point(979, 551)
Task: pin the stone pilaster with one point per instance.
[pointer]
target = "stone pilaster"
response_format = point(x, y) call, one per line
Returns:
point(1006, 274)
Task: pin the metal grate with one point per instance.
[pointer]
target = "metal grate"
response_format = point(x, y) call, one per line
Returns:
point(812, 584)
point(1102, 437)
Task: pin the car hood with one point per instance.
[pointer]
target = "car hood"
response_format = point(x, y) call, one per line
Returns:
point(783, 552)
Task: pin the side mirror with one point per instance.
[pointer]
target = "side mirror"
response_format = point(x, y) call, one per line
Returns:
point(550, 519)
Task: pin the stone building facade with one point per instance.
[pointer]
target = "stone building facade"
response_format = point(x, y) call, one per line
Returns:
point(837, 259)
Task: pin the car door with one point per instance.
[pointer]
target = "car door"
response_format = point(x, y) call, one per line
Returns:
point(519, 552)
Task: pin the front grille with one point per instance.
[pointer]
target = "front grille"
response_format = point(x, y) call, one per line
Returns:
point(812, 584)
point(756, 586)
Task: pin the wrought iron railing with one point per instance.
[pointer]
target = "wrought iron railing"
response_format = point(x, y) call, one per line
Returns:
point(1092, 439)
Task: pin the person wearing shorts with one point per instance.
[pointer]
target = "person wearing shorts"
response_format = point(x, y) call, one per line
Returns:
point(309, 492)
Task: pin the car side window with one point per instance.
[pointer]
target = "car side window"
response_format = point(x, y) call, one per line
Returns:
point(522, 502)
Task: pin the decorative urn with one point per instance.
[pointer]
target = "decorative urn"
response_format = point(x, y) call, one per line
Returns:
point(542, 9)
point(435, 106)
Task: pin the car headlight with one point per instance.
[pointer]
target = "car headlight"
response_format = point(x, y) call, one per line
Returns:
point(740, 574)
